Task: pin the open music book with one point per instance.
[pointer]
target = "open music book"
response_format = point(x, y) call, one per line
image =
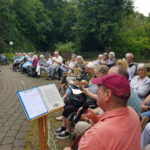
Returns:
point(39, 101)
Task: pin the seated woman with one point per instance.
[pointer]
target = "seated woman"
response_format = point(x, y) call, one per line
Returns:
point(69, 108)
point(27, 63)
point(111, 60)
point(141, 82)
point(66, 66)
point(16, 61)
point(88, 74)
point(32, 68)
point(41, 65)
point(78, 69)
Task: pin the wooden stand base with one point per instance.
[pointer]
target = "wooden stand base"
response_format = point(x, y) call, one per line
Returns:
point(43, 133)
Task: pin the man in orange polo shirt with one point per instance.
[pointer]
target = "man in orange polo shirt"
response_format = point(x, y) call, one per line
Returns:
point(119, 127)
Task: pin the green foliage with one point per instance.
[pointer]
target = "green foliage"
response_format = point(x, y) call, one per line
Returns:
point(65, 47)
point(88, 25)
point(134, 35)
point(97, 21)
point(9, 55)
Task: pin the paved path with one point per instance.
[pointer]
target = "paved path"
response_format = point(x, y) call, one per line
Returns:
point(13, 123)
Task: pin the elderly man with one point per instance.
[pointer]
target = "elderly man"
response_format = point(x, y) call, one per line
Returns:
point(57, 61)
point(131, 65)
point(119, 127)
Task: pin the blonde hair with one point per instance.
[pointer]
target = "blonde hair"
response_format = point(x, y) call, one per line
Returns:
point(101, 69)
point(122, 63)
point(41, 56)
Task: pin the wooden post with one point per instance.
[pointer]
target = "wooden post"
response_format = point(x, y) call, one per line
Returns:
point(46, 132)
point(43, 133)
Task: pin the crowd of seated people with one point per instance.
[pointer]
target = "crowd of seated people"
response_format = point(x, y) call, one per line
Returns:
point(32, 65)
point(79, 77)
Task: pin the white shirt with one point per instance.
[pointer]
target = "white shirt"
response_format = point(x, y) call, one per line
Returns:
point(49, 61)
point(141, 86)
point(58, 59)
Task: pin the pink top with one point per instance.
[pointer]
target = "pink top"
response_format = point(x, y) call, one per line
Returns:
point(35, 62)
point(116, 130)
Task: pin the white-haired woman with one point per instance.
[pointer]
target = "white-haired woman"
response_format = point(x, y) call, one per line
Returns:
point(141, 82)
point(41, 65)
point(131, 65)
point(112, 60)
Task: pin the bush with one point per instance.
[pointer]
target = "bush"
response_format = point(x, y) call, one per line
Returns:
point(9, 55)
point(65, 47)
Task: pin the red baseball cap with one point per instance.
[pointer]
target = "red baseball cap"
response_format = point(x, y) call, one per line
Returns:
point(118, 84)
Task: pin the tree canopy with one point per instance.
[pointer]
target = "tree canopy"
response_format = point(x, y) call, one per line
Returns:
point(78, 25)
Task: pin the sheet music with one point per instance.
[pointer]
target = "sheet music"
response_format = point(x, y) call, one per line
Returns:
point(33, 102)
point(51, 96)
point(76, 91)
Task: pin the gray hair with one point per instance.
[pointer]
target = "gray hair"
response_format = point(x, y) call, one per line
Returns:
point(112, 53)
point(129, 54)
point(141, 65)
point(100, 55)
point(105, 54)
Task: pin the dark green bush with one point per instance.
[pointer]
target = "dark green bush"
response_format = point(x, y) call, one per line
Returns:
point(65, 47)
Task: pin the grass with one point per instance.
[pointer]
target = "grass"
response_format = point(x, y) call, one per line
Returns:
point(32, 138)
point(54, 124)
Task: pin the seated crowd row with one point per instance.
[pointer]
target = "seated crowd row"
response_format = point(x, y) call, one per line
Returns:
point(30, 64)
point(108, 124)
